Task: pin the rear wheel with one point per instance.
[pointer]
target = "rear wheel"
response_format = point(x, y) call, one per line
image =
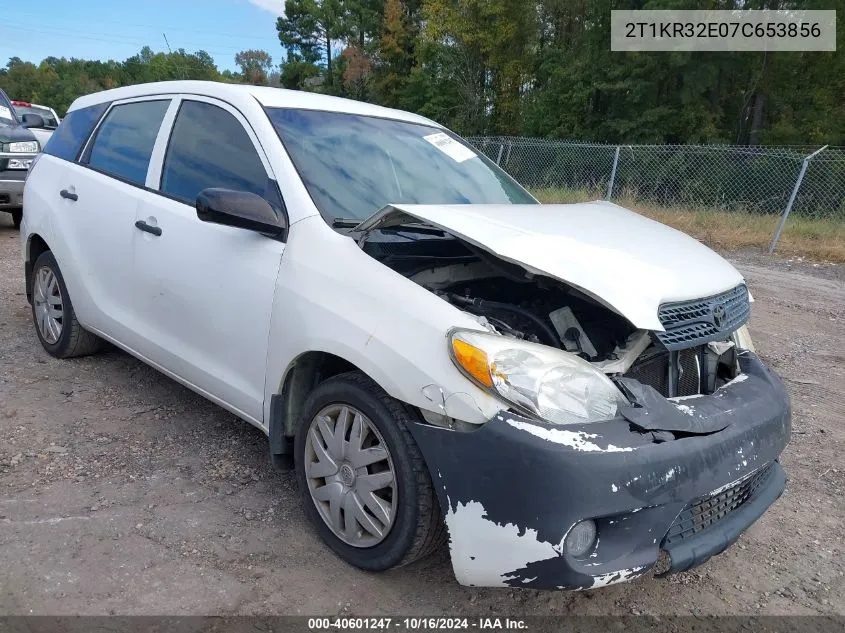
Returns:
point(59, 331)
point(17, 217)
point(363, 481)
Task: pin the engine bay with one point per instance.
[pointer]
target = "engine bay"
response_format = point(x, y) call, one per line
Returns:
point(507, 299)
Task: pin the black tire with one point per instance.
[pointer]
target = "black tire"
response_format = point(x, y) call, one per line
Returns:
point(74, 340)
point(17, 217)
point(418, 528)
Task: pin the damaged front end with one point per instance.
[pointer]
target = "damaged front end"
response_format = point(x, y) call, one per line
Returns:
point(683, 462)
point(513, 489)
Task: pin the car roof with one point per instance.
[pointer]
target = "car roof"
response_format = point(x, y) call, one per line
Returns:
point(269, 97)
point(29, 104)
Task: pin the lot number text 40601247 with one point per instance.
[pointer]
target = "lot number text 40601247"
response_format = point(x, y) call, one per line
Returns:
point(416, 624)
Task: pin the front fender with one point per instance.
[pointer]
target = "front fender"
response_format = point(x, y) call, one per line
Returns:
point(332, 297)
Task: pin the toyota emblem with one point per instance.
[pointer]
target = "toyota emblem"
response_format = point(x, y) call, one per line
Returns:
point(719, 316)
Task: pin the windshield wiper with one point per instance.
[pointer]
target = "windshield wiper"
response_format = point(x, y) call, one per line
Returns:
point(344, 223)
point(408, 227)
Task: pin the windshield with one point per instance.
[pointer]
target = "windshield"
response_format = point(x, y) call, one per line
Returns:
point(44, 113)
point(354, 165)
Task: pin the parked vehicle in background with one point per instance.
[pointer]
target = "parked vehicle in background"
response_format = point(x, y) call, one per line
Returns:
point(51, 119)
point(568, 390)
point(18, 146)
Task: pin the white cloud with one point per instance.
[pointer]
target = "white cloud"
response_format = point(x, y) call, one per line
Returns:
point(276, 7)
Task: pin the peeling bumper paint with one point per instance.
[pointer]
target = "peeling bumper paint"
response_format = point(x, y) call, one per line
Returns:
point(512, 490)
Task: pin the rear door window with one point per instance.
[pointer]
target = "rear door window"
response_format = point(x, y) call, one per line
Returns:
point(210, 148)
point(124, 142)
point(67, 141)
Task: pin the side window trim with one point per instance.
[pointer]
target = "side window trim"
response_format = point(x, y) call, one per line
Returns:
point(228, 107)
point(162, 144)
point(85, 154)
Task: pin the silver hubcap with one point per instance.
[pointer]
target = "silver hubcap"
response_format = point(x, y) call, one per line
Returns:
point(48, 305)
point(350, 475)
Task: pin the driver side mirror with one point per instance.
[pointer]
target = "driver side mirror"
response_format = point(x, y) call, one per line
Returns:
point(240, 209)
point(32, 120)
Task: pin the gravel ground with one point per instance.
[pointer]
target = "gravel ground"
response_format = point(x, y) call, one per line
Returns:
point(122, 492)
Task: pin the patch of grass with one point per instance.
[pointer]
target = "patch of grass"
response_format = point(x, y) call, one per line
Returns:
point(820, 239)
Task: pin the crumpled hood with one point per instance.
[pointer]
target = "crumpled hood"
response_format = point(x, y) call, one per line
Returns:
point(629, 262)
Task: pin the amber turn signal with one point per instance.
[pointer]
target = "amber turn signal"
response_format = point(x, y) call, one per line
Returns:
point(473, 361)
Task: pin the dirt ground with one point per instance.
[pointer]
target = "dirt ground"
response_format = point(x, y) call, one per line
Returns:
point(122, 492)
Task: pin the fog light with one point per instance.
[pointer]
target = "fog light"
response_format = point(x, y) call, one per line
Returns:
point(19, 163)
point(581, 538)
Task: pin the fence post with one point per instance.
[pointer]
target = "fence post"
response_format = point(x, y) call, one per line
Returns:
point(499, 157)
point(789, 204)
point(613, 174)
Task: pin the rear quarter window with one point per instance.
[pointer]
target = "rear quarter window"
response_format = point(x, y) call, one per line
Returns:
point(68, 139)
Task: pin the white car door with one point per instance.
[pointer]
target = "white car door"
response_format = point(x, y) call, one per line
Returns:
point(96, 209)
point(203, 292)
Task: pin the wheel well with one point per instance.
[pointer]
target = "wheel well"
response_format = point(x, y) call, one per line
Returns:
point(36, 247)
point(305, 373)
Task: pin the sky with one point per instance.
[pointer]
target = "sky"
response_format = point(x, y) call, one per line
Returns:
point(117, 29)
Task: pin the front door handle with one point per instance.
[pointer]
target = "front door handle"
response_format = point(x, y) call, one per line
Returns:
point(64, 193)
point(155, 230)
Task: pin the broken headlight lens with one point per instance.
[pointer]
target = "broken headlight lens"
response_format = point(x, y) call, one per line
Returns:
point(548, 383)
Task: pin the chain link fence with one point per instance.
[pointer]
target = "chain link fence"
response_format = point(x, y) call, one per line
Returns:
point(795, 182)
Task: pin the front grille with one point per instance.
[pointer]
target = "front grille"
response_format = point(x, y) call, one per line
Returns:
point(706, 511)
point(690, 323)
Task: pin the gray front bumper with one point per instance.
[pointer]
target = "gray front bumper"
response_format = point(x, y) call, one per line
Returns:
point(511, 490)
point(11, 189)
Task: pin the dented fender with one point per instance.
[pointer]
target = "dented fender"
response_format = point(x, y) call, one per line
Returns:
point(347, 304)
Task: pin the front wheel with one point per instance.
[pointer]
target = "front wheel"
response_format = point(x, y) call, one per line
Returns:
point(363, 481)
point(60, 333)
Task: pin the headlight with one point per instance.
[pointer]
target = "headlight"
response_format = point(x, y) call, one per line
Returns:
point(742, 339)
point(551, 384)
point(24, 147)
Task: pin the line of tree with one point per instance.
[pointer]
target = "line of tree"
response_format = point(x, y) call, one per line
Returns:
point(511, 67)
point(58, 81)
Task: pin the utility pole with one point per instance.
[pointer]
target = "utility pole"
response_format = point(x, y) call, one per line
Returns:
point(169, 50)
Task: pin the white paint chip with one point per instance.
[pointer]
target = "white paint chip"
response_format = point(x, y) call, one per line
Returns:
point(485, 553)
point(612, 578)
point(579, 440)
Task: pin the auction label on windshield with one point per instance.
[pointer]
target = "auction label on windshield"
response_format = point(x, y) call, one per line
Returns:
point(450, 147)
point(724, 31)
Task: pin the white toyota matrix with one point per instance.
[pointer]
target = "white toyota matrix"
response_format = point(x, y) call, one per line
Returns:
point(566, 393)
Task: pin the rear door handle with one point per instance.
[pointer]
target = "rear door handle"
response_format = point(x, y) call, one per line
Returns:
point(64, 193)
point(148, 228)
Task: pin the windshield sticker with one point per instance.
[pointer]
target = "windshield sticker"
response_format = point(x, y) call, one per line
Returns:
point(449, 146)
point(5, 113)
